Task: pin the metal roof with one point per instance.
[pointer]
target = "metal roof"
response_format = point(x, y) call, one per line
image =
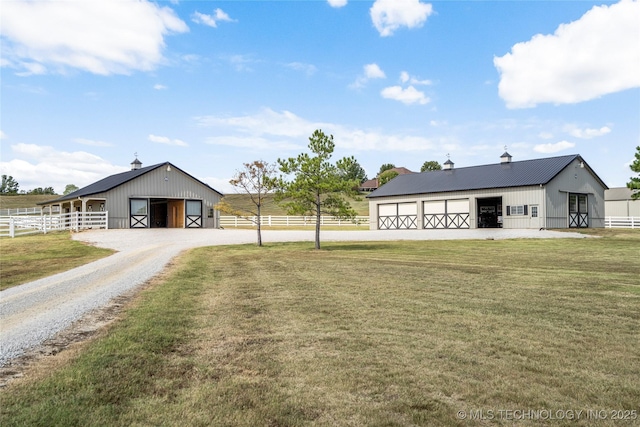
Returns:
point(116, 180)
point(500, 175)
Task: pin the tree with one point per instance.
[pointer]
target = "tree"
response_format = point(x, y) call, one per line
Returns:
point(386, 167)
point(317, 185)
point(70, 188)
point(634, 184)
point(430, 165)
point(386, 176)
point(41, 191)
point(9, 185)
point(355, 172)
point(257, 179)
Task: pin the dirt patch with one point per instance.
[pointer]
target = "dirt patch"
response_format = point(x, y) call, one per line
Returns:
point(65, 345)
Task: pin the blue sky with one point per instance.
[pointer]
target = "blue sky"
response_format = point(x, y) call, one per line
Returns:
point(210, 85)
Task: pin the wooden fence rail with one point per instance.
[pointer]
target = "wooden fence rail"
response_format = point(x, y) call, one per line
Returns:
point(622, 222)
point(19, 225)
point(291, 221)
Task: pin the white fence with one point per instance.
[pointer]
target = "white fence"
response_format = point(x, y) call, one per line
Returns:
point(20, 225)
point(291, 221)
point(28, 211)
point(622, 222)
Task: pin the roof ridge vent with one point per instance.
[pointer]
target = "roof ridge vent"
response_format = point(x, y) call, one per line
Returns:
point(448, 165)
point(506, 157)
point(136, 164)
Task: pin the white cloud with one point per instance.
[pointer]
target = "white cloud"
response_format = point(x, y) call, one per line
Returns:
point(337, 3)
point(390, 15)
point(253, 142)
point(308, 69)
point(286, 131)
point(241, 62)
point(3, 135)
point(373, 71)
point(545, 135)
point(409, 95)
point(596, 55)
point(370, 71)
point(92, 143)
point(101, 37)
point(167, 141)
point(211, 20)
point(406, 78)
point(587, 133)
point(553, 148)
point(220, 184)
point(159, 87)
point(44, 166)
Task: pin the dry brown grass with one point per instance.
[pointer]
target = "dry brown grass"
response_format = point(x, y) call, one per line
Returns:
point(406, 333)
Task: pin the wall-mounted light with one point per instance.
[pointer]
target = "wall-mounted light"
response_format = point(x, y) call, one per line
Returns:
point(168, 168)
point(582, 165)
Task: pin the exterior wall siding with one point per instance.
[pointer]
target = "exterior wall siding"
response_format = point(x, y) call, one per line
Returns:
point(622, 208)
point(178, 185)
point(551, 201)
point(510, 196)
point(574, 179)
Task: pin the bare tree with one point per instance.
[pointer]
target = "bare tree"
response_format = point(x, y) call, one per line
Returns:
point(257, 179)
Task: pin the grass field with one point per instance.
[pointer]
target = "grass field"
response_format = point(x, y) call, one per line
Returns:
point(32, 257)
point(376, 334)
point(24, 201)
point(242, 201)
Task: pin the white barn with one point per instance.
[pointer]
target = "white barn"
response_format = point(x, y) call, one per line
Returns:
point(556, 192)
point(618, 202)
point(157, 196)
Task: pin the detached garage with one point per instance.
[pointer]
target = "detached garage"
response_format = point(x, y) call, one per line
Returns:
point(556, 192)
point(158, 196)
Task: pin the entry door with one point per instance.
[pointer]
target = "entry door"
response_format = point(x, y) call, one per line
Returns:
point(578, 211)
point(535, 216)
point(138, 213)
point(194, 213)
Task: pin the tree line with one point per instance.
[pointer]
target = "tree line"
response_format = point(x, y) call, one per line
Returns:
point(10, 187)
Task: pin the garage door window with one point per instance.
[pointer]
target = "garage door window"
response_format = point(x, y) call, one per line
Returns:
point(397, 216)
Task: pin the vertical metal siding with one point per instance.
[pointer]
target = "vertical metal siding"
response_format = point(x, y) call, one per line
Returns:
point(574, 179)
point(153, 184)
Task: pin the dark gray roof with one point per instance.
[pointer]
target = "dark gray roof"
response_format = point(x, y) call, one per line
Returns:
point(106, 184)
point(513, 174)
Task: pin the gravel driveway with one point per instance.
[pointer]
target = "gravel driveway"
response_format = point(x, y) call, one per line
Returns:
point(36, 311)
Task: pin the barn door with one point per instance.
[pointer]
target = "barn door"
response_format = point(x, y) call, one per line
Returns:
point(139, 213)
point(194, 214)
point(578, 211)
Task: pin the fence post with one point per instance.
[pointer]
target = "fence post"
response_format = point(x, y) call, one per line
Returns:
point(269, 220)
point(12, 227)
point(106, 220)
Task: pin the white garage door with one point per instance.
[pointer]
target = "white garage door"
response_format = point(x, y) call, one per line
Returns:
point(446, 213)
point(396, 216)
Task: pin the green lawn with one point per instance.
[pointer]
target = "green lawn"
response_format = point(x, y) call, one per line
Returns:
point(34, 256)
point(375, 334)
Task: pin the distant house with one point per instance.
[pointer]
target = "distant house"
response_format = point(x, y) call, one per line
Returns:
point(556, 192)
point(618, 202)
point(373, 184)
point(158, 196)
